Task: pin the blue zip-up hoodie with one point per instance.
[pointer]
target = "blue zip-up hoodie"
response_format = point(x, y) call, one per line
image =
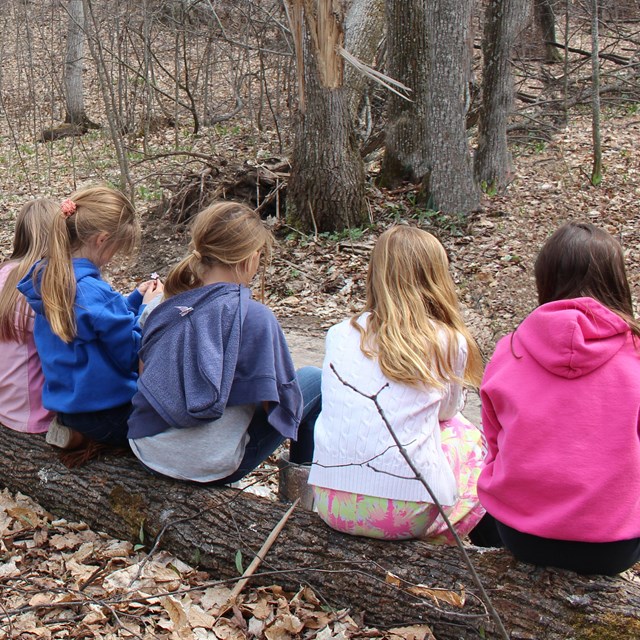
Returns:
point(97, 370)
point(209, 348)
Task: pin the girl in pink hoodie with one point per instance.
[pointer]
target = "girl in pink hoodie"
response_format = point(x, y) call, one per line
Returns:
point(560, 410)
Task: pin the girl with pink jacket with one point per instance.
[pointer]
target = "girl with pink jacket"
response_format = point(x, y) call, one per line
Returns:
point(561, 410)
point(21, 377)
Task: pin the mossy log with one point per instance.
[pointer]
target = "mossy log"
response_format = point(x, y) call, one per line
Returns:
point(207, 526)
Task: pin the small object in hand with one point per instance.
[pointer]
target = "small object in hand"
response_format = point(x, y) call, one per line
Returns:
point(155, 276)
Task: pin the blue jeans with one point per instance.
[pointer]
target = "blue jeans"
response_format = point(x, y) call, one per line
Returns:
point(108, 426)
point(264, 439)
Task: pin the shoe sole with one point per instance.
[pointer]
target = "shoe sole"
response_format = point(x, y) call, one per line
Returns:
point(58, 435)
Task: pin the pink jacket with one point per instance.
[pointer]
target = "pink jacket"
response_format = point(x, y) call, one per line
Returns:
point(560, 410)
point(21, 381)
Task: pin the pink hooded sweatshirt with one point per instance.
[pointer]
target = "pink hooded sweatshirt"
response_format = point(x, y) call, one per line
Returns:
point(561, 410)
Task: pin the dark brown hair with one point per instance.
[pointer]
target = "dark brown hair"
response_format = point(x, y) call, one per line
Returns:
point(581, 260)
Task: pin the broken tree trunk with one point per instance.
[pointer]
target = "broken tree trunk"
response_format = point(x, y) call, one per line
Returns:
point(207, 526)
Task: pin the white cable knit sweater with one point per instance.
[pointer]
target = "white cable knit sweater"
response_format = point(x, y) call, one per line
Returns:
point(353, 449)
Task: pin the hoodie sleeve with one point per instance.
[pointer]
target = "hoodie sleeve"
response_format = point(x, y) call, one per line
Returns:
point(490, 427)
point(265, 372)
point(285, 415)
point(118, 331)
point(134, 301)
point(148, 308)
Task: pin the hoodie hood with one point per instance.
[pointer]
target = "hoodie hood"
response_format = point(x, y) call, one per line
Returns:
point(178, 309)
point(571, 338)
point(202, 327)
point(209, 348)
point(31, 290)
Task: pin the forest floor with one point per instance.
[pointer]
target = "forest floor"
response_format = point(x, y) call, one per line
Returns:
point(315, 281)
point(312, 282)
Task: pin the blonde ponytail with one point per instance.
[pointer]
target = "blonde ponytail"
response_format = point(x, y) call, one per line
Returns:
point(224, 233)
point(183, 276)
point(81, 217)
point(58, 282)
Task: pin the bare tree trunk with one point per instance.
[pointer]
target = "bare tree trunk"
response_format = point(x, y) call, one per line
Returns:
point(208, 525)
point(326, 186)
point(74, 64)
point(596, 172)
point(565, 64)
point(546, 21)
point(407, 130)
point(76, 121)
point(429, 50)
point(503, 21)
point(363, 31)
point(449, 181)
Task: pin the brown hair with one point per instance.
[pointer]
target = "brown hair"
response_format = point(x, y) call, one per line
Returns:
point(581, 260)
point(412, 301)
point(98, 209)
point(227, 233)
point(29, 244)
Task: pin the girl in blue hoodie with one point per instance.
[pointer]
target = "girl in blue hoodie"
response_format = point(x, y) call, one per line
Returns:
point(87, 334)
point(218, 392)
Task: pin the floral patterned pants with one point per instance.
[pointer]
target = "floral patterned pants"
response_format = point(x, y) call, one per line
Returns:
point(389, 519)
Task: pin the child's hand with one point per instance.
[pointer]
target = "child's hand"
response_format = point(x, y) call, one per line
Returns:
point(143, 286)
point(150, 289)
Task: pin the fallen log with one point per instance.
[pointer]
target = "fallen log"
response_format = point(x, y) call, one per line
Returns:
point(207, 526)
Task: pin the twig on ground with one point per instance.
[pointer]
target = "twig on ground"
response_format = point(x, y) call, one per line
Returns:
point(268, 543)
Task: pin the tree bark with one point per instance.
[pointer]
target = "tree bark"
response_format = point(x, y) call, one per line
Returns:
point(363, 31)
point(546, 20)
point(429, 50)
point(407, 130)
point(326, 187)
point(596, 171)
point(74, 67)
point(207, 526)
point(493, 162)
point(449, 182)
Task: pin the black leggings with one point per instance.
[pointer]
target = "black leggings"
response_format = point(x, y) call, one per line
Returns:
point(605, 558)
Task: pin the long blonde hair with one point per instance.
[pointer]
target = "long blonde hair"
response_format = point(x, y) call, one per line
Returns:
point(224, 233)
point(95, 210)
point(29, 244)
point(411, 299)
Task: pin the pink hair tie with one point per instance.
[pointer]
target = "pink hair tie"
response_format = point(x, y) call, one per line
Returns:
point(68, 207)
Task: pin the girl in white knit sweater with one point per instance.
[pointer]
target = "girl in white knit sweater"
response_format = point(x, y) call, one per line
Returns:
point(411, 350)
